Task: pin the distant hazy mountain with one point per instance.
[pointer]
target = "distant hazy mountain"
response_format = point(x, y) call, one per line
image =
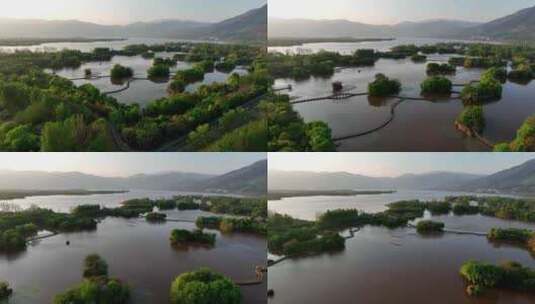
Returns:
point(517, 26)
point(519, 179)
point(249, 180)
point(343, 28)
point(346, 181)
point(248, 26)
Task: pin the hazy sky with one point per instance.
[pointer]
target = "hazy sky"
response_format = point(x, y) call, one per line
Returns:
point(394, 11)
point(124, 164)
point(127, 11)
point(395, 164)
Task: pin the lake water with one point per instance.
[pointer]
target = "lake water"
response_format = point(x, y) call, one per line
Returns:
point(381, 265)
point(140, 91)
point(418, 125)
point(136, 251)
point(90, 46)
point(65, 203)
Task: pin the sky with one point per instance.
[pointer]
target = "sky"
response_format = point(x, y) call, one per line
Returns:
point(127, 11)
point(395, 11)
point(395, 164)
point(125, 164)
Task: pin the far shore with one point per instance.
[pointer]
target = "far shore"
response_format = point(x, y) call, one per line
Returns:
point(19, 194)
point(289, 41)
point(279, 194)
point(40, 41)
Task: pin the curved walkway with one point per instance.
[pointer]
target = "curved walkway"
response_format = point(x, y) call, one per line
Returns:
point(401, 99)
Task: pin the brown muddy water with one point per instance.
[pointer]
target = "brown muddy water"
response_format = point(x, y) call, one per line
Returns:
point(418, 125)
point(380, 265)
point(137, 252)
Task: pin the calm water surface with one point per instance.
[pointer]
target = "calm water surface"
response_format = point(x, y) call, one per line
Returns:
point(136, 251)
point(380, 265)
point(140, 91)
point(65, 203)
point(418, 125)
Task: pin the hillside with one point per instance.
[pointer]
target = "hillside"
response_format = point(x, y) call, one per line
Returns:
point(517, 26)
point(250, 180)
point(519, 179)
point(347, 181)
point(304, 28)
point(248, 26)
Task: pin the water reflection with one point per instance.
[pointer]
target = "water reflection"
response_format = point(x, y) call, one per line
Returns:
point(136, 252)
point(418, 125)
point(381, 265)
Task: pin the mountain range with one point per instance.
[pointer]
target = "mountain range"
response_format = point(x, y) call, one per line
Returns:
point(251, 25)
point(517, 26)
point(249, 180)
point(516, 180)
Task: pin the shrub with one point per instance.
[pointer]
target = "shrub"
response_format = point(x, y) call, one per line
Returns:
point(473, 118)
point(180, 237)
point(176, 86)
point(5, 291)
point(440, 69)
point(319, 136)
point(418, 58)
point(158, 71)
point(155, 217)
point(383, 86)
point(436, 85)
point(95, 266)
point(119, 72)
point(204, 286)
point(424, 227)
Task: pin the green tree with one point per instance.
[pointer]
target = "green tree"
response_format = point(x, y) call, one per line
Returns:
point(204, 286)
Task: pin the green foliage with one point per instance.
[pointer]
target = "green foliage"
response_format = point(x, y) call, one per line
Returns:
point(158, 71)
point(53, 108)
point(156, 217)
point(473, 118)
point(74, 134)
point(12, 240)
point(418, 58)
point(436, 85)
point(176, 86)
point(383, 86)
point(510, 275)
point(120, 72)
point(522, 237)
point(253, 207)
point(187, 203)
point(231, 225)
point(465, 209)
point(426, 227)
point(488, 88)
point(251, 137)
point(5, 291)
point(190, 75)
point(204, 286)
point(525, 137)
point(434, 69)
point(439, 208)
point(20, 138)
point(95, 266)
point(180, 237)
point(96, 287)
point(320, 137)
